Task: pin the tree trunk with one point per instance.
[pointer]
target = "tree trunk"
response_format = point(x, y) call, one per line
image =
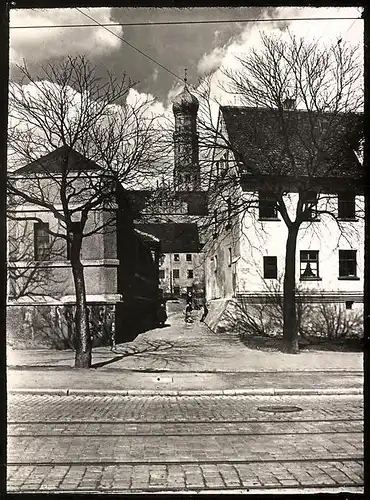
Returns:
point(290, 330)
point(82, 331)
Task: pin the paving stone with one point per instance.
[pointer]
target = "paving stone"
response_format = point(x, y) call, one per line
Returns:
point(227, 431)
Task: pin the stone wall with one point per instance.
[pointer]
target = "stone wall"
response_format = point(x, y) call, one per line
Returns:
point(32, 326)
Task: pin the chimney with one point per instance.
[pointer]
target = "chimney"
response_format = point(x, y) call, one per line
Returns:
point(289, 103)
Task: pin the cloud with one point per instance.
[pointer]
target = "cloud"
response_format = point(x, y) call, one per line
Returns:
point(42, 44)
point(324, 31)
point(210, 62)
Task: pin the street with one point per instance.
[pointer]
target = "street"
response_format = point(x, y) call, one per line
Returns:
point(184, 443)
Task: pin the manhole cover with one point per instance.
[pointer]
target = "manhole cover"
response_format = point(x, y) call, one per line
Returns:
point(279, 409)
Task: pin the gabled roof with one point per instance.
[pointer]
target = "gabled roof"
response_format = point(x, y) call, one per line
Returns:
point(256, 134)
point(174, 238)
point(149, 238)
point(52, 163)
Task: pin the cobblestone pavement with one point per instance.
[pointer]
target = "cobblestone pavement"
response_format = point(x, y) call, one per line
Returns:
point(187, 443)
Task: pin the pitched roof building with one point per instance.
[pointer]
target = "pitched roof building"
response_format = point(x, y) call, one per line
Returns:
point(264, 154)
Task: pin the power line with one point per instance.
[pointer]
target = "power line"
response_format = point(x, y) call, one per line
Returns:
point(169, 23)
point(129, 44)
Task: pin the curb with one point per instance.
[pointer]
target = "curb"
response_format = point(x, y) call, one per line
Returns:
point(225, 392)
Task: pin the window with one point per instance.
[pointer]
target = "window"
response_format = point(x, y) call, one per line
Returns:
point(310, 204)
point(349, 304)
point(309, 269)
point(188, 257)
point(215, 223)
point(270, 267)
point(41, 240)
point(190, 273)
point(347, 263)
point(230, 256)
point(176, 257)
point(215, 263)
point(75, 227)
point(346, 206)
point(267, 206)
point(176, 291)
point(176, 273)
point(228, 226)
point(162, 274)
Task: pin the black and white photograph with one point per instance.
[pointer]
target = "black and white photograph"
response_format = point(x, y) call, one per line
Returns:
point(185, 250)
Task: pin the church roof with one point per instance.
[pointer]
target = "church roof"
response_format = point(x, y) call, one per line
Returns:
point(185, 102)
point(255, 133)
point(52, 163)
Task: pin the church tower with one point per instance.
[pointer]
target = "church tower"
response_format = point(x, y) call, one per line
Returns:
point(186, 165)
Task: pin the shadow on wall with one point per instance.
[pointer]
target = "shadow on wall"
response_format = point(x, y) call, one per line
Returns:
point(324, 324)
point(52, 326)
point(134, 317)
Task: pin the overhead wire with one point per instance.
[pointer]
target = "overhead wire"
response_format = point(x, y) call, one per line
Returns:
point(130, 44)
point(179, 23)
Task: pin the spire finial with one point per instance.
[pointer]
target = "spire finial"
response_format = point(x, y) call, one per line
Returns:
point(185, 76)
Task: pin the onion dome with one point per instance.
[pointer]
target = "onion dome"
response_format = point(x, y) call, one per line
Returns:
point(185, 102)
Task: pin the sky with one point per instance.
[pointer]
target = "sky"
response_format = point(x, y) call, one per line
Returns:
point(200, 48)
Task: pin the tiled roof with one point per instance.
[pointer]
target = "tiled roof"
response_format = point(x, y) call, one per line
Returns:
point(182, 237)
point(52, 162)
point(255, 133)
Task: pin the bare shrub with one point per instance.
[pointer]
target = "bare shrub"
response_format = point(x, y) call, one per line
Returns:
point(321, 321)
point(331, 321)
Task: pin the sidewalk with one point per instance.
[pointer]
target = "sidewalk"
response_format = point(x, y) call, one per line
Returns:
point(183, 357)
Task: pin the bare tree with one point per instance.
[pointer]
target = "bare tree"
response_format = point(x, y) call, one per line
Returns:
point(303, 137)
point(103, 141)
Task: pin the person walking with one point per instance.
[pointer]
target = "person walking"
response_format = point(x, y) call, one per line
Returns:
point(205, 311)
point(189, 299)
point(188, 309)
point(161, 314)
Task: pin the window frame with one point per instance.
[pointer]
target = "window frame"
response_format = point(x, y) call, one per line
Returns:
point(310, 261)
point(267, 267)
point(342, 276)
point(215, 223)
point(230, 255)
point(229, 212)
point(41, 252)
point(177, 271)
point(69, 244)
point(176, 257)
point(162, 274)
point(343, 200)
point(312, 197)
point(267, 200)
point(192, 274)
point(189, 259)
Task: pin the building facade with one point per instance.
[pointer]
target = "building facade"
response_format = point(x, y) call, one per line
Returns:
point(246, 248)
point(117, 261)
point(174, 212)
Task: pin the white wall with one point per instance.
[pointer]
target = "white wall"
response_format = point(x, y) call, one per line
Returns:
point(268, 238)
point(169, 264)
